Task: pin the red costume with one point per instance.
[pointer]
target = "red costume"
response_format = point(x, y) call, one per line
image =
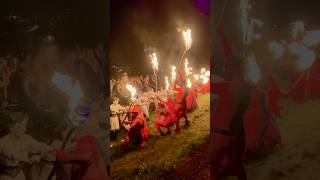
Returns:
point(205, 88)
point(191, 99)
point(166, 116)
point(314, 80)
point(228, 143)
point(260, 130)
point(86, 160)
point(298, 89)
point(181, 103)
point(273, 95)
point(139, 131)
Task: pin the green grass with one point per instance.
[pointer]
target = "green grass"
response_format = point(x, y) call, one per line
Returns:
point(299, 158)
point(161, 154)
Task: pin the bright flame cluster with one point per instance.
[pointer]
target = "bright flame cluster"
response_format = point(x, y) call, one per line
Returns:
point(187, 38)
point(167, 83)
point(187, 69)
point(132, 90)
point(189, 85)
point(154, 61)
point(173, 73)
point(204, 76)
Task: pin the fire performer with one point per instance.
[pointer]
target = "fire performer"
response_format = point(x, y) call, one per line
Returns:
point(181, 104)
point(228, 138)
point(191, 99)
point(138, 132)
point(166, 116)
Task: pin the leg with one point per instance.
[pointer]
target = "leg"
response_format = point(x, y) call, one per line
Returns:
point(157, 124)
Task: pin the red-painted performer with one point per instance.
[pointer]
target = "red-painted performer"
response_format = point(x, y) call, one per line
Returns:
point(227, 138)
point(181, 103)
point(205, 88)
point(260, 129)
point(298, 89)
point(86, 160)
point(138, 132)
point(166, 116)
point(191, 99)
point(273, 96)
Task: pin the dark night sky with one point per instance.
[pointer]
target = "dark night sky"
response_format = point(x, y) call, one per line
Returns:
point(71, 22)
point(140, 24)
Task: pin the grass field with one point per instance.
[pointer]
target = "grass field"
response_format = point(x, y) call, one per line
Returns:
point(299, 158)
point(161, 154)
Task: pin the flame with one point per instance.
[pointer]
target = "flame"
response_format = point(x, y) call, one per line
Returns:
point(173, 73)
point(72, 89)
point(132, 90)
point(196, 76)
point(187, 69)
point(254, 72)
point(306, 56)
point(205, 80)
point(187, 38)
point(154, 61)
point(189, 83)
point(204, 75)
point(167, 83)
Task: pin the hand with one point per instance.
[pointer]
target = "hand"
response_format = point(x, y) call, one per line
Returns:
point(12, 164)
point(34, 159)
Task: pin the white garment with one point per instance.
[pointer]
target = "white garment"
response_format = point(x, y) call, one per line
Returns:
point(114, 120)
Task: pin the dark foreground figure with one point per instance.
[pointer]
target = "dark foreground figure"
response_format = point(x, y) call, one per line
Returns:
point(227, 137)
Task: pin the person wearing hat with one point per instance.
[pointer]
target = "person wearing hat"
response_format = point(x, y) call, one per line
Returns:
point(138, 132)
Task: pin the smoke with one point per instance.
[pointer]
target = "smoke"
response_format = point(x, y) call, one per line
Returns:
point(254, 72)
point(311, 38)
point(277, 49)
point(306, 56)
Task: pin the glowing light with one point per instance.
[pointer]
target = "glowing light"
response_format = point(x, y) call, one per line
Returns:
point(71, 88)
point(167, 83)
point(133, 91)
point(154, 61)
point(196, 76)
point(173, 73)
point(187, 69)
point(187, 38)
point(189, 85)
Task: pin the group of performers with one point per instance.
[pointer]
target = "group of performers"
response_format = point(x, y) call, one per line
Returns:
point(170, 108)
point(243, 122)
